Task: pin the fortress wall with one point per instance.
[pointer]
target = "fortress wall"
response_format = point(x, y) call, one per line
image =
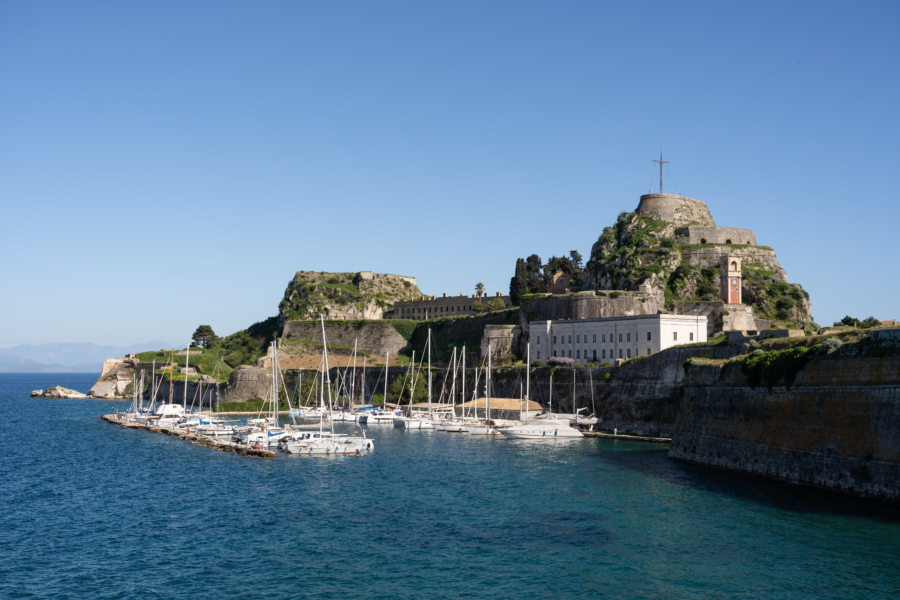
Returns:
point(675, 209)
point(837, 428)
point(377, 337)
point(711, 256)
point(589, 305)
point(715, 235)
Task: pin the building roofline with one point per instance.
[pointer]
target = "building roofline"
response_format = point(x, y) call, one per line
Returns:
point(658, 316)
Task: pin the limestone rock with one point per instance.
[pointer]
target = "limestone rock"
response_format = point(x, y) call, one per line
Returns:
point(362, 295)
point(115, 377)
point(57, 391)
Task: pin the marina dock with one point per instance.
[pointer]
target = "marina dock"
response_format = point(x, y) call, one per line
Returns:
point(193, 438)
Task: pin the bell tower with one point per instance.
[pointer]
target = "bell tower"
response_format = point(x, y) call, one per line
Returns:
point(731, 280)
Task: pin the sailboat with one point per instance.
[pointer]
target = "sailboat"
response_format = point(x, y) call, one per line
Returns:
point(323, 442)
point(383, 415)
point(486, 426)
point(546, 428)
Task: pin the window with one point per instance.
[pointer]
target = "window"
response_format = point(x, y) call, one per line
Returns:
point(648, 351)
point(595, 355)
point(675, 336)
point(620, 353)
point(570, 354)
point(620, 339)
point(692, 336)
point(603, 338)
point(628, 337)
point(595, 338)
point(578, 354)
point(603, 353)
point(570, 341)
point(554, 341)
point(578, 339)
point(554, 353)
point(629, 353)
point(539, 355)
point(648, 336)
point(538, 340)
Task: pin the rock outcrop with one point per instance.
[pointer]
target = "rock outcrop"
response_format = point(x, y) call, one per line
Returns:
point(361, 295)
point(116, 376)
point(671, 244)
point(57, 391)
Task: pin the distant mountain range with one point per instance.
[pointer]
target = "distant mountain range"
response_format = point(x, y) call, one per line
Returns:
point(70, 357)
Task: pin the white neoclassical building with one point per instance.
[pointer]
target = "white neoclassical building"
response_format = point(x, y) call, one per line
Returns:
point(613, 338)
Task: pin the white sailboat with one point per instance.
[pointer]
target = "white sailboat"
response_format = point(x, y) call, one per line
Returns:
point(323, 442)
point(486, 426)
point(546, 428)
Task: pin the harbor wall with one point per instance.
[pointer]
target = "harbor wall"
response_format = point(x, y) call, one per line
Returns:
point(837, 427)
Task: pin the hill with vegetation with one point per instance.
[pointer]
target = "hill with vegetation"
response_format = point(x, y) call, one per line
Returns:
point(362, 295)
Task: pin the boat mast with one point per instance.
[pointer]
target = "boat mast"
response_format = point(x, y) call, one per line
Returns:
point(463, 377)
point(487, 411)
point(172, 377)
point(327, 378)
point(412, 379)
point(527, 379)
point(187, 363)
point(384, 400)
point(429, 372)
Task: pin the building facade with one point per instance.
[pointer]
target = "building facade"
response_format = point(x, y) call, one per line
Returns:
point(614, 338)
point(432, 307)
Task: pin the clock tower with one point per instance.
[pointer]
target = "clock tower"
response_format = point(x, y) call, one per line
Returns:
point(731, 280)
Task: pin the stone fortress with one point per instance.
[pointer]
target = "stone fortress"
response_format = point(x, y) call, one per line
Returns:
point(699, 241)
point(691, 220)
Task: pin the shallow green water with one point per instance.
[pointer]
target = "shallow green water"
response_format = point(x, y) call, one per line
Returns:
point(97, 511)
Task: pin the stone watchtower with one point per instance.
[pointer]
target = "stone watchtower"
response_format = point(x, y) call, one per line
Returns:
point(731, 280)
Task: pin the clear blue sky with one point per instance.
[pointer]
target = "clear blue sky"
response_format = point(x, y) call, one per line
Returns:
point(165, 164)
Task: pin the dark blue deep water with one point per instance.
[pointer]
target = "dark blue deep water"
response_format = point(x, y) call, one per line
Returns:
point(90, 510)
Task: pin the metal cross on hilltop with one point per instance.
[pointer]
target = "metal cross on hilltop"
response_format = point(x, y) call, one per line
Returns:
point(661, 163)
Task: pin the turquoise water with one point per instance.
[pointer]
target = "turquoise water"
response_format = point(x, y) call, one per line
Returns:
point(91, 510)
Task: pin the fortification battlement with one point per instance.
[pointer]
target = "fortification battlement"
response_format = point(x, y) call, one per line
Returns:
point(676, 209)
point(695, 234)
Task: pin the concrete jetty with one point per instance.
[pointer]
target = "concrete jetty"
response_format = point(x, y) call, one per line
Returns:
point(200, 440)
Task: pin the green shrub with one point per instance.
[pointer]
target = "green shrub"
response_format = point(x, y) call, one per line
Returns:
point(776, 365)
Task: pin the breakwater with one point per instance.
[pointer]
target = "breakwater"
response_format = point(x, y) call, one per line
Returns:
point(200, 440)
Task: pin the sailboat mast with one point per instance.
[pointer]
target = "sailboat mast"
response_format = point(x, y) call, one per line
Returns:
point(171, 376)
point(527, 379)
point(187, 363)
point(464, 374)
point(327, 377)
point(487, 410)
point(429, 372)
point(384, 400)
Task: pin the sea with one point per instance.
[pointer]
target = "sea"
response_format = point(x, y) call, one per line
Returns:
point(91, 510)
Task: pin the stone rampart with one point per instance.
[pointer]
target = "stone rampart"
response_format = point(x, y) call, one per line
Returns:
point(675, 209)
point(711, 256)
point(837, 428)
point(695, 234)
point(376, 337)
point(592, 305)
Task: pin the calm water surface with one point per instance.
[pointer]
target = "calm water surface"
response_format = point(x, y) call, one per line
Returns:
point(91, 510)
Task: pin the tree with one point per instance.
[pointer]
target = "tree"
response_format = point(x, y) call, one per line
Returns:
point(577, 267)
point(204, 337)
point(518, 284)
point(534, 275)
point(479, 289)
